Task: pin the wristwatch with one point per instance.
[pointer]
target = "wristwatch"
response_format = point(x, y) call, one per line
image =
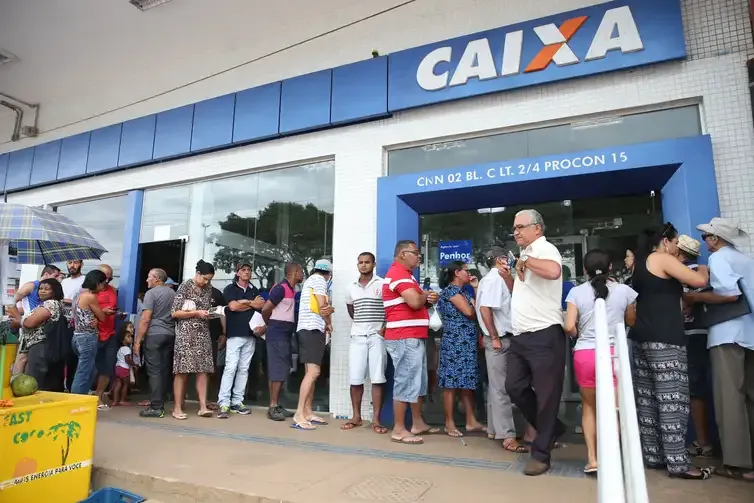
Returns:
point(524, 258)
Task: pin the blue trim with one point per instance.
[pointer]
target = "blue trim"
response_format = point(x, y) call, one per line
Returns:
point(44, 169)
point(682, 170)
point(356, 92)
point(4, 169)
point(19, 169)
point(129, 267)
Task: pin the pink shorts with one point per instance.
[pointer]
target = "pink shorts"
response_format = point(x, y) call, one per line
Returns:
point(584, 368)
point(121, 373)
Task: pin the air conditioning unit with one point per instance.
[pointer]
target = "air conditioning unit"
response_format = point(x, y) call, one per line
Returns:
point(143, 5)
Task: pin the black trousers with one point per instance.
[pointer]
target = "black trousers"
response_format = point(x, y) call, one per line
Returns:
point(534, 382)
point(158, 357)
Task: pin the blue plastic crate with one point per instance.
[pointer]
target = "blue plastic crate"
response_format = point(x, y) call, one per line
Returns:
point(112, 495)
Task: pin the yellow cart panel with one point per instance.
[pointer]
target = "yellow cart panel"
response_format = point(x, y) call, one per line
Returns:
point(46, 448)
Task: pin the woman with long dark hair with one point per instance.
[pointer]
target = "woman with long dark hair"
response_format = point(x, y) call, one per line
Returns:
point(620, 306)
point(193, 343)
point(659, 352)
point(86, 314)
point(458, 369)
point(34, 326)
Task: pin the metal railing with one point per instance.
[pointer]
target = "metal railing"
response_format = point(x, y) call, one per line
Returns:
point(621, 469)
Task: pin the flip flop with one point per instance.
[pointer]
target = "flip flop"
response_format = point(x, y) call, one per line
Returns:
point(204, 413)
point(145, 403)
point(518, 449)
point(430, 431)
point(379, 429)
point(590, 470)
point(318, 421)
point(454, 433)
point(103, 406)
point(733, 473)
point(303, 425)
point(480, 429)
point(350, 425)
point(180, 416)
point(408, 440)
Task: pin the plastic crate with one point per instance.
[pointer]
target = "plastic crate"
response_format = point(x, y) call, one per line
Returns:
point(112, 495)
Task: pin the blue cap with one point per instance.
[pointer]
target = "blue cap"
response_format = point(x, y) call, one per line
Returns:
point(323, 265)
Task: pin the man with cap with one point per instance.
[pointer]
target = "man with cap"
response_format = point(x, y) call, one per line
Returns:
point(243, 300)
point(731, 346)
point(493, 309)
point(698, 355)
point(313, 326)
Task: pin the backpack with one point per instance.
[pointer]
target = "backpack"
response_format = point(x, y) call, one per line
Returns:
point(58, 340)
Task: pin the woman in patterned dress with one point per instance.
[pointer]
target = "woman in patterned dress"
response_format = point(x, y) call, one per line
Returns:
point(193, 345)
point(458, 348)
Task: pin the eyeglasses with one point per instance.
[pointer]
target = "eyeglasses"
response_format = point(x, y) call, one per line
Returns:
point(415, 253)
point(520, 227)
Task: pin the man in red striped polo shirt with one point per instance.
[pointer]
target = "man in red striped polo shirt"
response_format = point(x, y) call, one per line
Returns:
point(406, 330)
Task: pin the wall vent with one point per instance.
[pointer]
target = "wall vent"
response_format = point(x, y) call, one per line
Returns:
point(6, 57)
point(143, 5)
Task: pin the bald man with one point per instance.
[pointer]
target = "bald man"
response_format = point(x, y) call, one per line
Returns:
point(107, 350)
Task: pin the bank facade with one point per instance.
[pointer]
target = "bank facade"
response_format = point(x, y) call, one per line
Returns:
point(606, 118)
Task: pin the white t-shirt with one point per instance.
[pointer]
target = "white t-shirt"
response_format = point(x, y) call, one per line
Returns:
point(536, 301)
point(618, 299)
point(493, 293)
point(71, 286)
point(307, 320)
point(122, 353)
point(368, 309)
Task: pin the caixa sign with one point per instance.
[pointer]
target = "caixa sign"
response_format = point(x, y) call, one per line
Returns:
point(603, 38)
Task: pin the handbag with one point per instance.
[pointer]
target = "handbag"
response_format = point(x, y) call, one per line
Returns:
point(707, 315)
point(58, 338)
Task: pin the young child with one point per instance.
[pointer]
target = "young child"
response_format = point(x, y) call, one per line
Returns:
point(123, 366)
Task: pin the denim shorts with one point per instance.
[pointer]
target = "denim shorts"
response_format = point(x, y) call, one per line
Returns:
point(107, 354)
point(409, 369)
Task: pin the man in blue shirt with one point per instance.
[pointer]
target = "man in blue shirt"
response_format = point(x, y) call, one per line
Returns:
point(731, 345)
point(28, 295)
point(243, 300)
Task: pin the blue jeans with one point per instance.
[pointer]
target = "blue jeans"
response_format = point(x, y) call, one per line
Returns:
point(85, 346)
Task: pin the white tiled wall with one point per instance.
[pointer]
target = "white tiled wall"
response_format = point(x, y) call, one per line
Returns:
point(715, 76)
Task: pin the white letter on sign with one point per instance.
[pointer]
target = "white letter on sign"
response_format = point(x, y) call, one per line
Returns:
point(549, 34)
point(514, 44)
point(425, 73)
point(476, 62)
point(621, 22)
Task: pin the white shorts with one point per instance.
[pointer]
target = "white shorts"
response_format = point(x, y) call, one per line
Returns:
point(367, 353)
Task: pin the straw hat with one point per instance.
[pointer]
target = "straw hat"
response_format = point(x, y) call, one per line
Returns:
point(689, 245)
point(723, 228)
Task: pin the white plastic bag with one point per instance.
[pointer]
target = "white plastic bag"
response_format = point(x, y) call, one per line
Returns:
point(435, 321)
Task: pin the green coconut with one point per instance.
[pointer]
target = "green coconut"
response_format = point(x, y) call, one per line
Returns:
point(23, 385)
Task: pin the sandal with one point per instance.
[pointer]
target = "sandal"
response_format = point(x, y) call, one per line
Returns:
point(513, 446)
point(730, 472)
point(409, 439)
point(428, 431)
point(103, 406)
point(454, 433)
point(145, 403)
point(478, 429)
point(181, 416)
point(590, 470)
point(379, 429)
point(303, 425)
point(317, 421)
point(350, 425)
point(704, 474)
point(204, 413)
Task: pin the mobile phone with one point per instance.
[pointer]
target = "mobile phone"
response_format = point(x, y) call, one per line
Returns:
point(511, 259)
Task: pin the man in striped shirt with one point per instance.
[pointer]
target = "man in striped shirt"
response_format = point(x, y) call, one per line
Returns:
point(406, 330)
point(367, 349)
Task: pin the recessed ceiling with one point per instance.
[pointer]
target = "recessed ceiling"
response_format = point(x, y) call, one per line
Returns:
point(143, 5)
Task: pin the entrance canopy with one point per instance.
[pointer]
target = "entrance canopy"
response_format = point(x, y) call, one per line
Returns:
point(681, 170)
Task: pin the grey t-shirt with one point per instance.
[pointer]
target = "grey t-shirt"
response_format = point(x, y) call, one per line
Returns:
point(618, 300)
point(159, 300)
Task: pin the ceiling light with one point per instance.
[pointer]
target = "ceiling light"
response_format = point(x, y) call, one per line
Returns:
point(143, 5)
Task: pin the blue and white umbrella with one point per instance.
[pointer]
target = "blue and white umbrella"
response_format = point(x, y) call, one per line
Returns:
point(44, 237)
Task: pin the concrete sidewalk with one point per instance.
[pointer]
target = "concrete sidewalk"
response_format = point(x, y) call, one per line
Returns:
point(252, 459)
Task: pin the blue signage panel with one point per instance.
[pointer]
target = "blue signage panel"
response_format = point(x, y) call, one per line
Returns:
point(451, 251)
point(603, 38)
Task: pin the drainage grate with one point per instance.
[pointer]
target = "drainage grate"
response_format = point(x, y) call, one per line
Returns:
point(388, 488)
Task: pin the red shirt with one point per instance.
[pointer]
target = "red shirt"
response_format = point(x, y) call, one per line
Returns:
point(402, 322)
point(107, 298)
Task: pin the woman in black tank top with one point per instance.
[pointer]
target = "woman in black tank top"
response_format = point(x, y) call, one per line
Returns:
point(660, 365)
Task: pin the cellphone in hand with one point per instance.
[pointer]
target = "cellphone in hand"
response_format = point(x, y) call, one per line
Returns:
point(511, 259)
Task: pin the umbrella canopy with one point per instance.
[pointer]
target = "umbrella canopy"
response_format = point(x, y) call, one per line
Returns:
point(43, 236)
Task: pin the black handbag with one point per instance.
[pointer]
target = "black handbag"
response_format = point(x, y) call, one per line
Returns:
point(58, 336)
point(707, 315)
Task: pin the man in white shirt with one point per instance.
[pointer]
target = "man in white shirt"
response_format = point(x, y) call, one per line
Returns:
point(71, 286)
point(493, 309)
point(538, 348)
point(366, 354)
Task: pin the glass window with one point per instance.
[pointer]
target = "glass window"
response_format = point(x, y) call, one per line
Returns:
point(581, 135)
point(105, 220)
point(165, 214)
